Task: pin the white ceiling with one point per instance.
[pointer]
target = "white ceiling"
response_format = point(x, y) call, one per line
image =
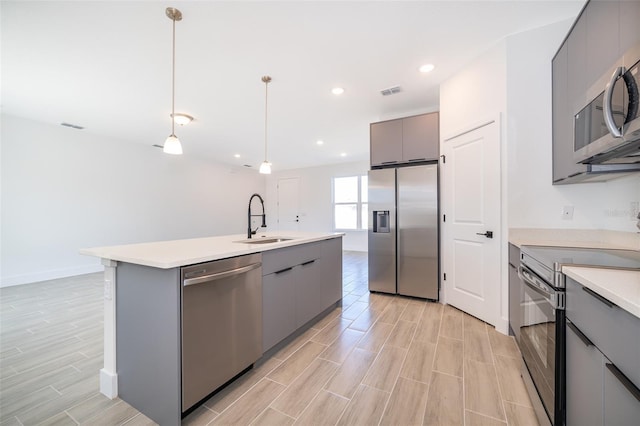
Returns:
point(106, 65)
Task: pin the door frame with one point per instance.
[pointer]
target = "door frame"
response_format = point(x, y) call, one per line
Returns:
point(502, 318)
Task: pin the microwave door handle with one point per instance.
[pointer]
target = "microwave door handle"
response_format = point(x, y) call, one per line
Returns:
point(608, 100)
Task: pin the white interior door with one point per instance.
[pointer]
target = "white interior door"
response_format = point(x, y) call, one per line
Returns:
point(471, 199)
point(288, 204)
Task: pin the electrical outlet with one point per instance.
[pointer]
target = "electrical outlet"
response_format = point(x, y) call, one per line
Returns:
point(567, 213)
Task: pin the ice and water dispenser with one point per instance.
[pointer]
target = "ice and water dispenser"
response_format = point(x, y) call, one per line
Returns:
point(381, 222)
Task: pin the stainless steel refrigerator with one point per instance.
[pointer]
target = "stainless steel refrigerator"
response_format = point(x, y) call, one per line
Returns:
point(403, 231)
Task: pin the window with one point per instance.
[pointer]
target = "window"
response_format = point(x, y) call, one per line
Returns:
point(350, 203)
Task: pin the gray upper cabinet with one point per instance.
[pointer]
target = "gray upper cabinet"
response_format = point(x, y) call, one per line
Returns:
point(404, 140)
point(420, 137)
point(629, 28)
point(603, 44)
point(577, 83)
point(563, 164)
point(386, 142)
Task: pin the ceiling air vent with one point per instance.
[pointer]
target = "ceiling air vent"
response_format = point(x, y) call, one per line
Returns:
point(157, 146)
point(73, 126)
point(391, 91)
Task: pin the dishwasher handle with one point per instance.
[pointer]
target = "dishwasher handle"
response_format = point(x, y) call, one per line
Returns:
point(221, 275)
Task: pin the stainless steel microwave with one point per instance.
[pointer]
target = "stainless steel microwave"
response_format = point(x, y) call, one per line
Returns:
point(607, 129)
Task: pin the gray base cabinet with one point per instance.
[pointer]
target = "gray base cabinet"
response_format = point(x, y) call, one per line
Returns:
point(603, 360)
point(585, 367)
point(278, 307)
point(515, 291)
point(621, 400)
point(299, 283)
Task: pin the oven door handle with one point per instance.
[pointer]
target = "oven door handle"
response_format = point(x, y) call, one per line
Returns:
point(531, 280)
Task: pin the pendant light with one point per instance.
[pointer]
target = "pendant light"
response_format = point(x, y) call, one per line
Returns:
point(265, 167)
point(172, 144)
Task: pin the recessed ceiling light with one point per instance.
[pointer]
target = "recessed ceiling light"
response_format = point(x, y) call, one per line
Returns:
point(320, 142)
point(236, 155)
point(337, 90)
point(182, 119)
point(344, 154)
point(427, 68)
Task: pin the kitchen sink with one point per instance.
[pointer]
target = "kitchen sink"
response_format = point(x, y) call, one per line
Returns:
point(264, 240)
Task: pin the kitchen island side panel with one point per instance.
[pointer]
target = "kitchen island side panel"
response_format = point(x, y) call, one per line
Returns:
point(148, 340)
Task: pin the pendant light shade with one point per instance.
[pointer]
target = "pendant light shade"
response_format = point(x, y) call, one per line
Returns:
point(265, 167)
point(172, 145)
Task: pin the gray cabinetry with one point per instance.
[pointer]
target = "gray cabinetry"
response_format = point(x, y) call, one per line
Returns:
point(515, 291)
point(299, 283)
point(278, 307)
point(405, 140)
point(331, 270)
point(603, 360)
point(621, 399)
point(386, 142)
point(629, 28)
point(585, 364)
point(420, 137)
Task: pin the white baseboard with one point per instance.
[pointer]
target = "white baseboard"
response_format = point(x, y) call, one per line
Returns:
point(49, 275)
point(108, 384)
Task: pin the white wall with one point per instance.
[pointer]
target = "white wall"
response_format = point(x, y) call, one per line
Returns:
point(64, 189)
point(475, 93)
point(316, 198)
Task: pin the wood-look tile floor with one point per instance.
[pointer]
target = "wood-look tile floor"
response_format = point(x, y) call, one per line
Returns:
point(377, 360)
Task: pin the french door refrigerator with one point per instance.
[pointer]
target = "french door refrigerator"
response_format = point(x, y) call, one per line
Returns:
point(403, 231)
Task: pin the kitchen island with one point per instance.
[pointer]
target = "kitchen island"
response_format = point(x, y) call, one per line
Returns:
point(299, 277)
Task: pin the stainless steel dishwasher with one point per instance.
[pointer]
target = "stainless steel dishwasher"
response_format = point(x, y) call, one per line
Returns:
point(221, 323)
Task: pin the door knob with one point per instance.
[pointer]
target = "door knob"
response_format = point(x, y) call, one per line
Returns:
point(488, 234)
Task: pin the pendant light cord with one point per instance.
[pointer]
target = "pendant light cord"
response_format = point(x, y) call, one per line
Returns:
point(173, 80)
point(266, 96)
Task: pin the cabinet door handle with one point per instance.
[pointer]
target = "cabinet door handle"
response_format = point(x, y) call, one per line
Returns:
point(580, 334)
point(283, 270)
point(633, 390)
point(600, 298)
point(418, 159)
point(389, 162)
point(307, 263)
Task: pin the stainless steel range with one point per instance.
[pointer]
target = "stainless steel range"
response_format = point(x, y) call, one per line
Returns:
point(542, 319)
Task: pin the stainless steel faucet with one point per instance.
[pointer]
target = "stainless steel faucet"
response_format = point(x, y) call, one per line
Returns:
point(250, 232)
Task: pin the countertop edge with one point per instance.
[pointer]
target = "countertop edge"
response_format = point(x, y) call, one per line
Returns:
point(594, 279)
point(111, 252)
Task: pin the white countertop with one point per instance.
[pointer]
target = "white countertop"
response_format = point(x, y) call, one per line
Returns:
point(621, 287)
point(177, 253)
point(589, 238)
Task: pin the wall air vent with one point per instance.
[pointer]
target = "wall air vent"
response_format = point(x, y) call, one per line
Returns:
point(73, 126)
point(391, 91)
